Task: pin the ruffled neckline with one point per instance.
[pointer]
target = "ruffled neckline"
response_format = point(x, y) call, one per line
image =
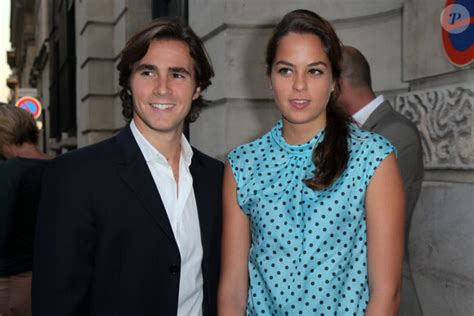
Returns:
point(277, 135)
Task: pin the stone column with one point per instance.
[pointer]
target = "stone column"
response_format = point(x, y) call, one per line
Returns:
point(102, 29)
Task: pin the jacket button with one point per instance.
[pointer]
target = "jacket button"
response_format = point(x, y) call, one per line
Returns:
point(174, 269)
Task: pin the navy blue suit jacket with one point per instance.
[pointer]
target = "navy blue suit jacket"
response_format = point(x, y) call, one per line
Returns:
point(104, 244)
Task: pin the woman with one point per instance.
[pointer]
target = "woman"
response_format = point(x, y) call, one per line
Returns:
point(313, 210)
point(20, 186)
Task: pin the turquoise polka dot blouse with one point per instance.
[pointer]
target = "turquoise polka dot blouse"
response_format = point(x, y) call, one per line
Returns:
point(308, 253)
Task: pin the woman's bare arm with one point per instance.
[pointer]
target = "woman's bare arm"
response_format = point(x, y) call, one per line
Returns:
point(233, 284)
point(385, 214)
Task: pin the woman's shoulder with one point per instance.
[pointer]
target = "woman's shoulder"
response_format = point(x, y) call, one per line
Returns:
point(253, 147)
point(368, 148)
point(360, 138)
point(245, 155)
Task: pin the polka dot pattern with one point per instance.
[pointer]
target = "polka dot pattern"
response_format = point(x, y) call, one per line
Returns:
point(308, 254)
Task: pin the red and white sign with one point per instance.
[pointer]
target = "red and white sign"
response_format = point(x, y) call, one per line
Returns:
point(30, 104)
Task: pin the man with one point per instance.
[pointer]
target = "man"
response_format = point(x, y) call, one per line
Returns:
point(376, 114)
point(131, 226)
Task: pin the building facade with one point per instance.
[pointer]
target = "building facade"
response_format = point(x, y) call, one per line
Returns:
point(68, 50)
point(65, 52)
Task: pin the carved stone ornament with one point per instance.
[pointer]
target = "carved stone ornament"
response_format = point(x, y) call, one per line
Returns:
point(444, 117)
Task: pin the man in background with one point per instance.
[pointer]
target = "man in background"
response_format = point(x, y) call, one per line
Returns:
point(376, 114)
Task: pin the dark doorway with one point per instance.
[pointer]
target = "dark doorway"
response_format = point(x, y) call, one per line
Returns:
point(63, 70)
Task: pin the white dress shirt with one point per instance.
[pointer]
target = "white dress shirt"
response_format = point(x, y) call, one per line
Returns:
point(363, 114)
point(180, 205)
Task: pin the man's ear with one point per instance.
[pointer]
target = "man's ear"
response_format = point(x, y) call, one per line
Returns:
point(197, 93)
point(342, 81)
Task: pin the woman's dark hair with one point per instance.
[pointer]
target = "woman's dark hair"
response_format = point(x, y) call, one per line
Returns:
point(330, 157)
point(164, 28)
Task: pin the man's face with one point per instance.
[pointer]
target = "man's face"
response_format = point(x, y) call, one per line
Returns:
point(163, 86)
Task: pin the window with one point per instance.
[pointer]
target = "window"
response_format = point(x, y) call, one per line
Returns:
point(63, 71)
point(177, 8)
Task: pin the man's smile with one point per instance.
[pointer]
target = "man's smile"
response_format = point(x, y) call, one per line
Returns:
point(162, 106)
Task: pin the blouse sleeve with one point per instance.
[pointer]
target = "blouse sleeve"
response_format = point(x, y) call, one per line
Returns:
point(234, 161)
point(377, 149)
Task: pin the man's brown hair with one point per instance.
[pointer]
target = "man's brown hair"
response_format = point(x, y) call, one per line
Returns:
point(164, 28)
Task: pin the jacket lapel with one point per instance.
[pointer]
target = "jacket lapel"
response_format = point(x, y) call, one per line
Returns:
point(133, 170)
point(200, 187)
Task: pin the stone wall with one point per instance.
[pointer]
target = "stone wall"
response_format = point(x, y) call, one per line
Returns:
point(441, 103)
point(235, 33)
point(102, 29)
point(445, 119)
point(441, 241)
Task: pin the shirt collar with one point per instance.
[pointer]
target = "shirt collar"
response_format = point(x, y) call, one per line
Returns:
point(150, 153)
point(363, 114)
point(301, 149)
point(186, 150)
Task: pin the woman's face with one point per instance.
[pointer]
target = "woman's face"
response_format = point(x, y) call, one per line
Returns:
point(302, 80)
